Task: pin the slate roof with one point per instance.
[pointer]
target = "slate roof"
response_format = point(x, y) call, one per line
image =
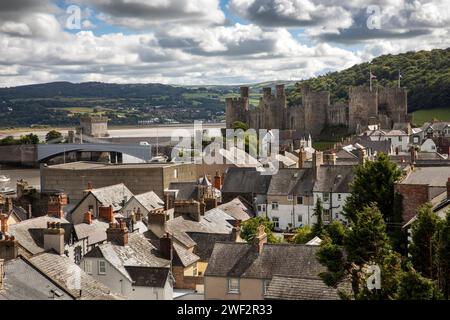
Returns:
point(235, 259)
point(293, 288)
point(284, 181)
point(19, 212)
point(182, 256)
point(30, 234)
point(139, 252)
point(238, 208)
point(326, 178)
point(245, 180)
point(186, 190)
point(148, 276)
point(205, 243)
point(62, 270)
point(23, 281)
point(432, 176)
point(95, 232)
point(112, 195)
point(149, 200)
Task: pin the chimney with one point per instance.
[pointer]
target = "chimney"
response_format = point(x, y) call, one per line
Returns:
point(302, 157)
point(88, 217)
point(157, 222)
point(236, 232)
point(54, 237)
point(9, 248)
point(260, 238)
point(191, 208)
point(89, 186)
point(317, 162)
point(330, 158)
point(138, 214)
point(448, 188)
point(169, 200)
point(210, 203)
point(4, 223)
point(361, 156)
point(217, 181)
point(165, 247)
point(117, 233)
point(106, 213)
point(55, 206)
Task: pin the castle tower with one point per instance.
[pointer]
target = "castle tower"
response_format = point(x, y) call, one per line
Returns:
point(236, 109)
point(363, 105)
point(315, 105)
point(394, 103)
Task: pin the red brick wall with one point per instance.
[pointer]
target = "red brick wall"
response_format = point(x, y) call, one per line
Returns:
point(414, 195)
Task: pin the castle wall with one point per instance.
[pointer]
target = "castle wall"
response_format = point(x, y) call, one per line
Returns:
point(363, 105)
point(315, 106)
point(338, 114)
point(394, 102)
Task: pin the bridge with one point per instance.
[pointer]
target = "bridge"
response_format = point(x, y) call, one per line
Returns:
point(47, 151)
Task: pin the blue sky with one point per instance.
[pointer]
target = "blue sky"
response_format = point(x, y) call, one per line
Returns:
point(208, 41)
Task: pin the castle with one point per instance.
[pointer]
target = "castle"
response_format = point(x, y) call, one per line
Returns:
point(383, 106)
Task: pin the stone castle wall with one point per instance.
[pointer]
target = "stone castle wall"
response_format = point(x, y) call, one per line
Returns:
point(384, 106)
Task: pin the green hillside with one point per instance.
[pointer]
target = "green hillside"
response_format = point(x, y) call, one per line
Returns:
point(426, 75)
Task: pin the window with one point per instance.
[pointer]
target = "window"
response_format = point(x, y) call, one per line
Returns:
point(326, 215)
point(91, 208)
point(261, 207)
point(326, 196)
point(101, 267)
point(300, 200)
point(233, 285)
point(274, 205)
point(290, 197)
point(265, 286)
point(88, 266)
point(276, 222)
point(300, 218)
point(399, 138)
point(416, 139)
point(339, 197)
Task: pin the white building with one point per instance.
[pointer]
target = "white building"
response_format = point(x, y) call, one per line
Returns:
point(399, 139)
point(127, 265)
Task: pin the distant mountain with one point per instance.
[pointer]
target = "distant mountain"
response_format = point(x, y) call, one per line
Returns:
point(426, 75)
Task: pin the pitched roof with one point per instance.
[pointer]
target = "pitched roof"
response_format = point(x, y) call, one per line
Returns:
point(432, 176)
point(183, 256)
point(30, 234)
point(335, 178)
point(23, 281)
point(19, 212)
point(148, 276)
point(284, 181)
point(293, 288)
point(95, 232)
point(205, 243)
point(112, 195)
point(245, 180)
point(185, 190)
point(62, 270)
point(238, 208)
point(149, 200)
point(139, 252)
point(234, 259)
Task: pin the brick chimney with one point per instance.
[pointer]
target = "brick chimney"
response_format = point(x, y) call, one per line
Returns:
point(448, 188)
point(317, 162)
point(260, 238)
point(4, 223)
point(169, 199)
point(165, 247)
point(88, 217)
point(193, 208)
point(117, 233)
point(210, 203)
point(54, 237)
point(106, 213)
point(217, 181)
point(301, 158)
point(9, 248)
point(55, 206)
point(157, 222)
point(361, 156)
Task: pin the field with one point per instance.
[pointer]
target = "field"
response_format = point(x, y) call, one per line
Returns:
point(426, 115)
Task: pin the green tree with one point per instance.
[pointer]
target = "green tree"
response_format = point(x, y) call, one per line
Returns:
point(8, 141)
point(240, 125)
point(365, 243)
point(374, 183)
point(29, 139)
point(336, 231)
point(423, 246)
point(318, 228)
point(413, 286)
point(249, 228)
point(53, 136)
point(443, 255)
point(303, 235)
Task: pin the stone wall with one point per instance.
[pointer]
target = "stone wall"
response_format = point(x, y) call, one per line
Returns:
point(315, 105)
point(394, 102)
point(363, 105)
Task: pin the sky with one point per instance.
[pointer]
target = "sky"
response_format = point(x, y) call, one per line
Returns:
point(197, 42)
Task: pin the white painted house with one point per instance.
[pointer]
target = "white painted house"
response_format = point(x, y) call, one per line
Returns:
point(127, 265)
